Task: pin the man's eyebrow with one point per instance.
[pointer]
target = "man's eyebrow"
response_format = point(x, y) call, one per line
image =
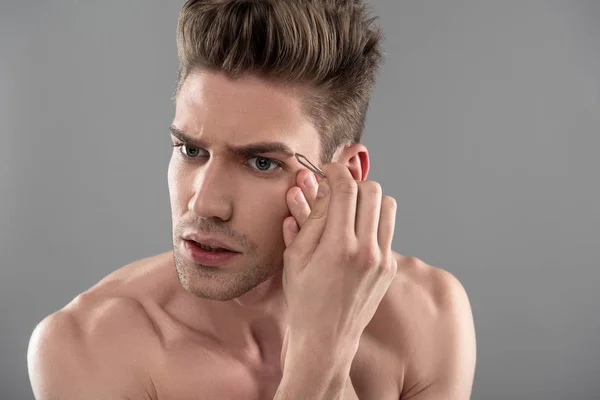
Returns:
point(185, 138)
point(245, 150)
point(261, 148)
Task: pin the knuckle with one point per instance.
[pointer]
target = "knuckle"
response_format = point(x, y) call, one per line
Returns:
point(345, 251)
point(291, 195)
point(316, 214)
point(346, 186)
point(370, 256)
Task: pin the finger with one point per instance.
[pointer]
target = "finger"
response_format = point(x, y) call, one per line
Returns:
point(290, 230)
point(298, 205)
point(342, 205)
point(387, 221)
point(310, 235)
point(368, 210)
point(307, 181)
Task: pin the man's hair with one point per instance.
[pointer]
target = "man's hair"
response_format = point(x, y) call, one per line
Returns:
point(332, 47)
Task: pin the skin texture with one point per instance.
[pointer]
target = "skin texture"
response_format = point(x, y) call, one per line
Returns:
point(166, 328)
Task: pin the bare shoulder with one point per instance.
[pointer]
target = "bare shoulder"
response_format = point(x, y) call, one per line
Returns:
point(431, 290)
point(95, 347)
point(434, 331)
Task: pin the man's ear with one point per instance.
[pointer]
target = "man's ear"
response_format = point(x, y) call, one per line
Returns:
point(356, 158)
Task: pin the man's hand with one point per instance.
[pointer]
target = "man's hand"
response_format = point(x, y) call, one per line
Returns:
point(338, 264)
point(449, 331)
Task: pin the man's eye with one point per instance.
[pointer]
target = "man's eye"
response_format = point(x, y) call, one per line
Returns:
point(187, 150)
point(263, 164)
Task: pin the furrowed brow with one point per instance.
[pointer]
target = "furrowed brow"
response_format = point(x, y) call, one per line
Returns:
point(245, 150)
point(185, 138)
point(262, 148)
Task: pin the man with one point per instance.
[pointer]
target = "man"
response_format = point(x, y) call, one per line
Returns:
point(279, 285)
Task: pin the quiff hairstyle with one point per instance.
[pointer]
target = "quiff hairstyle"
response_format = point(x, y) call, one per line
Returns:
point(330, 47)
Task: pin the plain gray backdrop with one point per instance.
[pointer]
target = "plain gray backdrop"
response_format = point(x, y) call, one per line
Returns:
point(485, 126)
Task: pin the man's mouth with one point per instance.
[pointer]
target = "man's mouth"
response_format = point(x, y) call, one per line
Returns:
point(208, 255)
point(210, 248)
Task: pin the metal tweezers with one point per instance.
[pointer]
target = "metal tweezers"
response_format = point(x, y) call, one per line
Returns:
point(304, 161)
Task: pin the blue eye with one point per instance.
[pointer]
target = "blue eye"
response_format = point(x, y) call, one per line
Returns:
point(188, 151)
point(262, 163)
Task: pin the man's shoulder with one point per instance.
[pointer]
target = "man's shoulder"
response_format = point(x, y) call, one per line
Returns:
point(419, 284)
point(93, 340)
point(105, 332)
point(421, 293)
point(432, 322)
point(92, 318)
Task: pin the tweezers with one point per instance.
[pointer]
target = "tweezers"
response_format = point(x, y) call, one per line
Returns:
point(304, 161)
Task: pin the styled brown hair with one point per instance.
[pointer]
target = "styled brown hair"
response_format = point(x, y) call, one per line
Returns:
point(332, 47)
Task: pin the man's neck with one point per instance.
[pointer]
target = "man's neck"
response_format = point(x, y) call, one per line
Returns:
point(252, 323)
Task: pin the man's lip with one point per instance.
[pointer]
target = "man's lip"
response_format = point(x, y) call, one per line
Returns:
point(209, 241)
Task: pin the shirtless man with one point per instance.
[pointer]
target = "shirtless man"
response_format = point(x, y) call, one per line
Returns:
point(308, 301)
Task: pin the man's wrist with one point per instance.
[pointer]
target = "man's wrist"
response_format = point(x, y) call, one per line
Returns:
point(316, 368)
point(323, 343)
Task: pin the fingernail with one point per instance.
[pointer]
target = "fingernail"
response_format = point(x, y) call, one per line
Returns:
point(299, 197)
point(310, 181)
point(323, 190)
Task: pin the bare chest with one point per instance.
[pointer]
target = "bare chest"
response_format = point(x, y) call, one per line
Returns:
point(196, 373)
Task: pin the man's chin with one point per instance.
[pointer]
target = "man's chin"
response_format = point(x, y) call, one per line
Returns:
point(213, 284)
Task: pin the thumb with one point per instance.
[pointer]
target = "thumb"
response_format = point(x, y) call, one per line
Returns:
point(290, 230)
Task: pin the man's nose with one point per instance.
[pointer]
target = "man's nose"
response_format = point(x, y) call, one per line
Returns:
point(212, 194)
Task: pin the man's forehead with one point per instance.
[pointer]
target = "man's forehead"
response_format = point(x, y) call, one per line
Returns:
point(243, 113)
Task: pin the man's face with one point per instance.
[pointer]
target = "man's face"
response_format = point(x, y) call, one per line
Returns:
point(219, 192)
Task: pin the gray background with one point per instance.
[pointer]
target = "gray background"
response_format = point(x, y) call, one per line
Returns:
point(484, 126)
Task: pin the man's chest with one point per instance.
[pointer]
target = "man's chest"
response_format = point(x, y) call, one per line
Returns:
point(193, 373)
